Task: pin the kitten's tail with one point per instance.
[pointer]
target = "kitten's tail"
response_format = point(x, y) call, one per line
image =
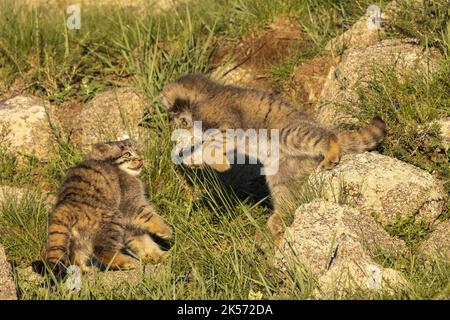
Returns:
point(58, 242)
point(366, 139)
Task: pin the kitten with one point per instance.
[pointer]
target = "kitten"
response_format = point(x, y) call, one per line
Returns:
point(102, 216)
point(304, 144)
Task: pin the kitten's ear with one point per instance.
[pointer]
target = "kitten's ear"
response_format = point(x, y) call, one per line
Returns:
point(175, 97)
point(131, 143)
point(167, 96)
point(99, 151)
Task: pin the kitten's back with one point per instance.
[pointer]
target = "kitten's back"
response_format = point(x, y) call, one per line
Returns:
point(226, 106)
point(88, 193)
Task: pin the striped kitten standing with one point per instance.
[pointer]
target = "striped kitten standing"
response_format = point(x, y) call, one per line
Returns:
point(102, 217)
point(304, 144)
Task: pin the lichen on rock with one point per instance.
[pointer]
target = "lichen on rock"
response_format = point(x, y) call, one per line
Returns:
point(337, 242)
point(385, 187)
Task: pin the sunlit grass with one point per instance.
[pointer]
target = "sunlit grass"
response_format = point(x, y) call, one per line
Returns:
point(215, 254)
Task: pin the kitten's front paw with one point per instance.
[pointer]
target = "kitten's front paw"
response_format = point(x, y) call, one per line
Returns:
point(329, 162)
point(328, 165)
point(160, 228)
point(165, 232)
point(145, 249)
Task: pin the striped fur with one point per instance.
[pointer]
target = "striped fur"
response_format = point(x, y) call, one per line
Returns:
point(304, 144)
point(101, 216)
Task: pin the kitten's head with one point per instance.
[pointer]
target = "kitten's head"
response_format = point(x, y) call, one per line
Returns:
point(124, 154)
point(181, 118)
point(178, 109)
point(180, 97)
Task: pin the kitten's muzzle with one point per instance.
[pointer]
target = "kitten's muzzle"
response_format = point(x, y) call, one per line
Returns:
point(138, 163)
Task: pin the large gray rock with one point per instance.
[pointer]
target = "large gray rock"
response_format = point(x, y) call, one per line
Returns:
point(437, 245)
point(359, 66)
point(7, 287)
point(336, 243)
point(444, 133)
point(109, 116)
point(24, 127)
point(383, 186)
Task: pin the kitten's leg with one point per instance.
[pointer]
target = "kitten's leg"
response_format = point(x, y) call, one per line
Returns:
point(108, 246)
point(144, 247)
point(67, 244)
point(114, 260)
point(59, 237)
point(280, 185)
point(217, 153)
point(212, 152)
point(312, 141)
point(284, 185)
point(82, 260)
point(81, 251)
point(149, 220)
point(282, 201)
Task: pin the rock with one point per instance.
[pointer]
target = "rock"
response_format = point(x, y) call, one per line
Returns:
point(308, 80)
point(7, 287)
point(336, 243)
point(247, 62)
point(359, 66)
point(437, 246)
point(444, 125)
point(6, 192)
point(393, 9)
point(109, 116)
point(368, 30)
point(384, 186)
point(24, 127)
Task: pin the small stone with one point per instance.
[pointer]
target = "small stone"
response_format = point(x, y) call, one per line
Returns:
point(25, 127)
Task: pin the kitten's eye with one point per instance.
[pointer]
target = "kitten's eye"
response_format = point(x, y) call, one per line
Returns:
point(127, 154)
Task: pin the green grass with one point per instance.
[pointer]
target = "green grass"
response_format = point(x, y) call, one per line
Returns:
point(409, 106)
point(428, 22)
point(215, 254)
